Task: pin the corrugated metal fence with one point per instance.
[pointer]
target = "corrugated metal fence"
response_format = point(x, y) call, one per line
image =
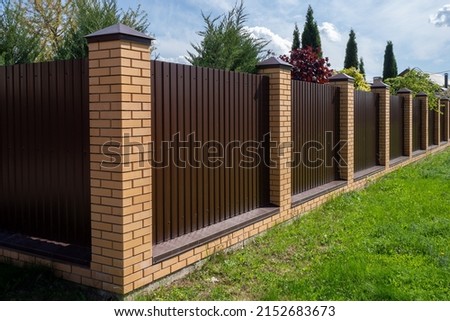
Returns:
point(366, 130)
point(315, 133)
point(44, 146)
point(417, 124)
point(443, 134)
point(431, 127)
point(209, 166)
point(396, 127)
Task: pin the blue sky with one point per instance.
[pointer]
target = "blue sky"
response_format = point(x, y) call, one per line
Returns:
point(419, 29)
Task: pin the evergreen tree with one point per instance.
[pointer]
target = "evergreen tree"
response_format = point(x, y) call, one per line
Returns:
point(361, 67)
point(311, 35)
point(18, 42)
point(32, 31)
point(226, 44)
point(296, 38)
point(390, 64)
point(351, 52)
point(89, 16)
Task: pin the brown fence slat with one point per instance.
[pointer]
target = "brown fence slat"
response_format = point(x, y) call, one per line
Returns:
point(417, 124)
point(396, 127)
point(218, 109)
point(431, 127)
point(315, 110)
point(45, 183)
point(443, 133)
point(366, 130)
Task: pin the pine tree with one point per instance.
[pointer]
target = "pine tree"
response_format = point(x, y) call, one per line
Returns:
point(390, 64)
point(296, 38)
point(351, 52)
point(361, 67)
point(311, 35)
point(226, 44)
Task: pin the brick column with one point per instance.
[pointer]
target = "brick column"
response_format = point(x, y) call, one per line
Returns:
point(279, 73)
point(406, 94)
point(437, 124)
point(346, 125)
point(382, 90)
point(424, 124)
point(121, 217)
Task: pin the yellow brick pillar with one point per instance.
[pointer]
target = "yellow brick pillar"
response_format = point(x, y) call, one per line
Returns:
point(120, 133)
point(406, 94)
point(279, 73)
point(424, 117)
point(382, 90)
point(346, 125)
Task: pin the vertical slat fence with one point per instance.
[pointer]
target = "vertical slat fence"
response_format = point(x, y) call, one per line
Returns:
point(44, 151)
point(366, 130)
point(315, 133)
point(208, 164)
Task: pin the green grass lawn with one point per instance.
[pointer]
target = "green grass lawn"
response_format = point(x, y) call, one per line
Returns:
point(390, 241)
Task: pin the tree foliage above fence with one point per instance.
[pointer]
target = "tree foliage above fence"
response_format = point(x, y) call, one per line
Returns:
point(32, 31)
point(18, 43)
point(227, 44)
point(417, 81)
point(360, 82)
point(308, 66)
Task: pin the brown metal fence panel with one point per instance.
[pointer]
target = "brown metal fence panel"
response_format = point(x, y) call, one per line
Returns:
point(417, 124)
point(315, 124)
point(44, 151)
point(443, 134)
point(396, 127)
point(208, 160)
point(366, 130)
point(431, 126)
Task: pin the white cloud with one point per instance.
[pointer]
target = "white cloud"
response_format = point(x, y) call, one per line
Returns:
point(277, 44)
point(330, 31)
point(442, 17)
point(177, 60)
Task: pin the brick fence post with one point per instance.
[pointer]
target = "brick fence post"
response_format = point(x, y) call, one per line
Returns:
point(423, 97)
point(346, 125)
point(382, 90)
point(407, 96)
point(121, 217)
point(279, 73)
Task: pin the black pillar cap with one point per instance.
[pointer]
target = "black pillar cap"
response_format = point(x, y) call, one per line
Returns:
point(119, 32)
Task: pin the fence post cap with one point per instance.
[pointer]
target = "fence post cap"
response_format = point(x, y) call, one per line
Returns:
point(378, 83)
point(342, 77)
point(421, 94)
point(119, 31)
point(274, 62)
point(404, 91)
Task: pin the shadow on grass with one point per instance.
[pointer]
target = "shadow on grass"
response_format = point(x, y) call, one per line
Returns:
point(39, 284)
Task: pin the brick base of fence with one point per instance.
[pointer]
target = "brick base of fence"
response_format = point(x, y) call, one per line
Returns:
point(121, 203)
